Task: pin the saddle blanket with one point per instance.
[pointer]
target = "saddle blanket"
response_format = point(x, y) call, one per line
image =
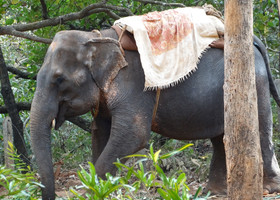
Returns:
point(171, 42)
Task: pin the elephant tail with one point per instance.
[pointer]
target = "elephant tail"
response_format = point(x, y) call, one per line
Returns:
point(273, 90)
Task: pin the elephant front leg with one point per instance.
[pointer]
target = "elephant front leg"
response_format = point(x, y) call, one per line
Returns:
point(128, 135)
point(100, 135)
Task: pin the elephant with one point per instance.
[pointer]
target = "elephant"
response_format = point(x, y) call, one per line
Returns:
point(84, 71)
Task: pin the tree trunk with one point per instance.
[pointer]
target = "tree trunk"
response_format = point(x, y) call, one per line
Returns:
point(9, 101)
point(242, 139)
point(7, 137)
point(278, 83)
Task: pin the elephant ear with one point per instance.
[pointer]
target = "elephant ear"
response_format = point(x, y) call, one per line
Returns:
point(106, 60)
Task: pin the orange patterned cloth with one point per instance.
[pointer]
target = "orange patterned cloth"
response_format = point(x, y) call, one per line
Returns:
point(166, 29)
point(171, 42)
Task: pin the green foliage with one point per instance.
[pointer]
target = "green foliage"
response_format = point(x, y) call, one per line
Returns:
point(69, 144)
point(97, 188)
point(73, 144)
point(135, 179)
point(19, 183)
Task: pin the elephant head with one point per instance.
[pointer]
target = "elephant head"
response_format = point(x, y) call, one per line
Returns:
point(78, 66)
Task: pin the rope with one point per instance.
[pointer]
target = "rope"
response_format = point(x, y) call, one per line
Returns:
point(123, 30)
point(210, 10)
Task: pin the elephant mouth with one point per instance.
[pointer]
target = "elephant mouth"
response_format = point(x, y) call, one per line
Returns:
point(66, 111)
point(60, 118)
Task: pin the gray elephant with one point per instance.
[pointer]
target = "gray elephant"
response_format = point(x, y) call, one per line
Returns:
point(84, 69)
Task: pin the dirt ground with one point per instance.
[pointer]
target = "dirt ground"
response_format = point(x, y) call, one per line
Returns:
point(69, 179)
point(195, 166)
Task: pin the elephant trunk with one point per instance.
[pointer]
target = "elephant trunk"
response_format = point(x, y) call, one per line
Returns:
point(41, 116)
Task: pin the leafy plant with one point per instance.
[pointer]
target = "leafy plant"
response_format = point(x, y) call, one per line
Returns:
point(16, 184)
point(96, 187)
point(136, 179)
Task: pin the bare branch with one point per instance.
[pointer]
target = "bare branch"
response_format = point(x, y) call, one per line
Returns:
point(93, 8)
point(20, 73)
point(25, 106)
point(21, 106)
point(161, 3)
point(113, 15)
point(44, 9)
point(10, 30)
point(18, 29)
point(82, 123)
point(117, 8)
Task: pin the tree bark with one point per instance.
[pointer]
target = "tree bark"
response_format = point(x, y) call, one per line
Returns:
point(7, 137)
point(242, 140)
point(278, 85)
point(9, 101)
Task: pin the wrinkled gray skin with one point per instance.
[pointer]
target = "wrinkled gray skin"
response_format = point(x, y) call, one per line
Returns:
point(77, 73)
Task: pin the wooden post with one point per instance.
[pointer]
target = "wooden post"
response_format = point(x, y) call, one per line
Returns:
point(242, 140)
point(8, 137)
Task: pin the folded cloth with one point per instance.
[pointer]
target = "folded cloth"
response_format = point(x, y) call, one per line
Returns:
point(171, 42)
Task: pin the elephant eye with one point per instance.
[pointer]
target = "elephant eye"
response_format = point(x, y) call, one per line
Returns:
point(59, 80)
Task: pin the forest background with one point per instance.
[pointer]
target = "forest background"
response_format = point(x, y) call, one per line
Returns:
point(26, 29)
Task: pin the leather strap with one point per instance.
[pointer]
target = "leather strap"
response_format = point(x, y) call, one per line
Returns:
point(96, 109)
point(156, 105)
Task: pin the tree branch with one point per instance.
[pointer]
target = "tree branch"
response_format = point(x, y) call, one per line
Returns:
point(161, 3)
point(25, 106)
point(93, 8)
point(18, 29)
point(82, 123)
point(9, 101)
point(44, 9)
point(20, 73)
point(10, 30)
point(21, 106)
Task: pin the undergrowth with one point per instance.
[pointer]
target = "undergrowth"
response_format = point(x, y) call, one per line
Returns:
point(20, 182)
point(135, 182)
point(132, 182)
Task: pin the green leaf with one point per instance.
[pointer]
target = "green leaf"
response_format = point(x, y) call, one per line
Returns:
point(152, 150)
point(168, 155)
point(9, 21)
point(182, 178)
point(111, 190)
point(136, 155)
point(163, 194)
point(197, 192)
point(77, 195)
point(14, 1)
point(156, 156)
point(173, 195)
point(162, 175)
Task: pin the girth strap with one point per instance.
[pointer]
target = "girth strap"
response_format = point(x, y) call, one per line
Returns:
point(156, 105)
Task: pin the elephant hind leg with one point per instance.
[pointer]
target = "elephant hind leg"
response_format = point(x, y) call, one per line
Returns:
point(217, 175)
point(271, 170)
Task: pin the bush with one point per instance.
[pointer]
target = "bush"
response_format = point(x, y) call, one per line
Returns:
point(19, 183)
point(155, 184)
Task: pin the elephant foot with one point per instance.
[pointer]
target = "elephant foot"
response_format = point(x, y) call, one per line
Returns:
point(216, 188)
point(271, 185)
